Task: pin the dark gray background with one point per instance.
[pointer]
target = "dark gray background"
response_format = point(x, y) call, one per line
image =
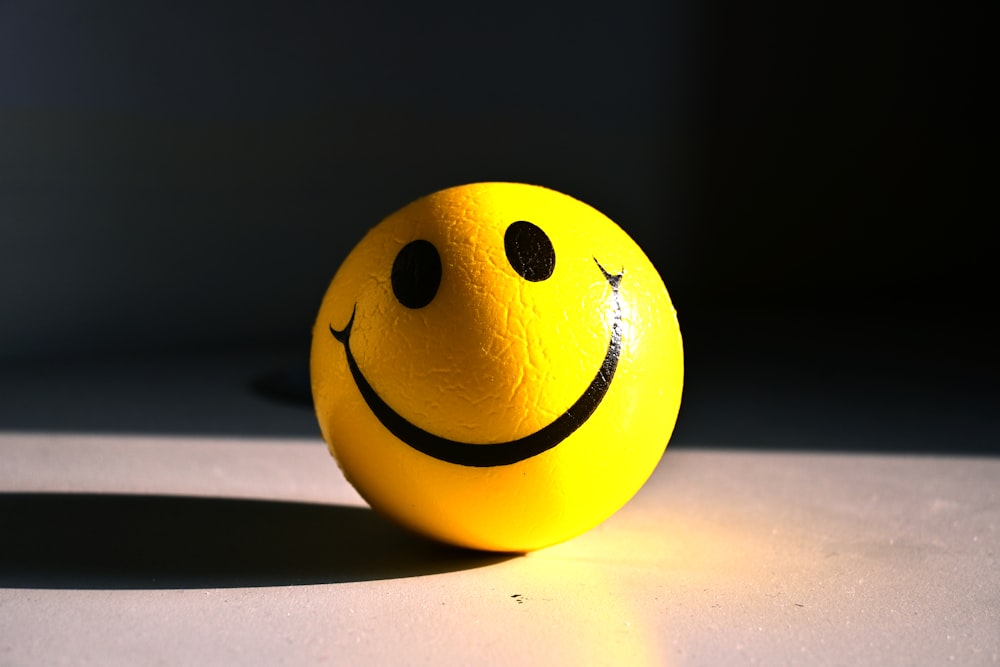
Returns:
point(179, 177)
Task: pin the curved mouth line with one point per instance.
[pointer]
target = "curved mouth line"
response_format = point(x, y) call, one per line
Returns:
point(488, 455)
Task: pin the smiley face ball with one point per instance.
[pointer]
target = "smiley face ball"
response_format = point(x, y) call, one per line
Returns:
point(497, 366)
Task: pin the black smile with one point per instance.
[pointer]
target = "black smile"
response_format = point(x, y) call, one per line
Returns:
point(502, 453)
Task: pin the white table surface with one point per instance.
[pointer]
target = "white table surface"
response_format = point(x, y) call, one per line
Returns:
point(161, 545)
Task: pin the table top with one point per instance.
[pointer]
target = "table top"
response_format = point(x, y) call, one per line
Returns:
point(174, 546)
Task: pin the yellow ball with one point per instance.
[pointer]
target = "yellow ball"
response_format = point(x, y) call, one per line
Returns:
point(497, 366)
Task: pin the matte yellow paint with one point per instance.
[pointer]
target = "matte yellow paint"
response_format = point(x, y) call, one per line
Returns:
point(493, 358)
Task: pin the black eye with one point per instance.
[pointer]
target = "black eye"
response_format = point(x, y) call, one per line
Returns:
point(529, 251)
point(416, 274)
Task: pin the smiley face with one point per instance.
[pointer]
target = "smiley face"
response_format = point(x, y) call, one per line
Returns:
point(497, 366)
